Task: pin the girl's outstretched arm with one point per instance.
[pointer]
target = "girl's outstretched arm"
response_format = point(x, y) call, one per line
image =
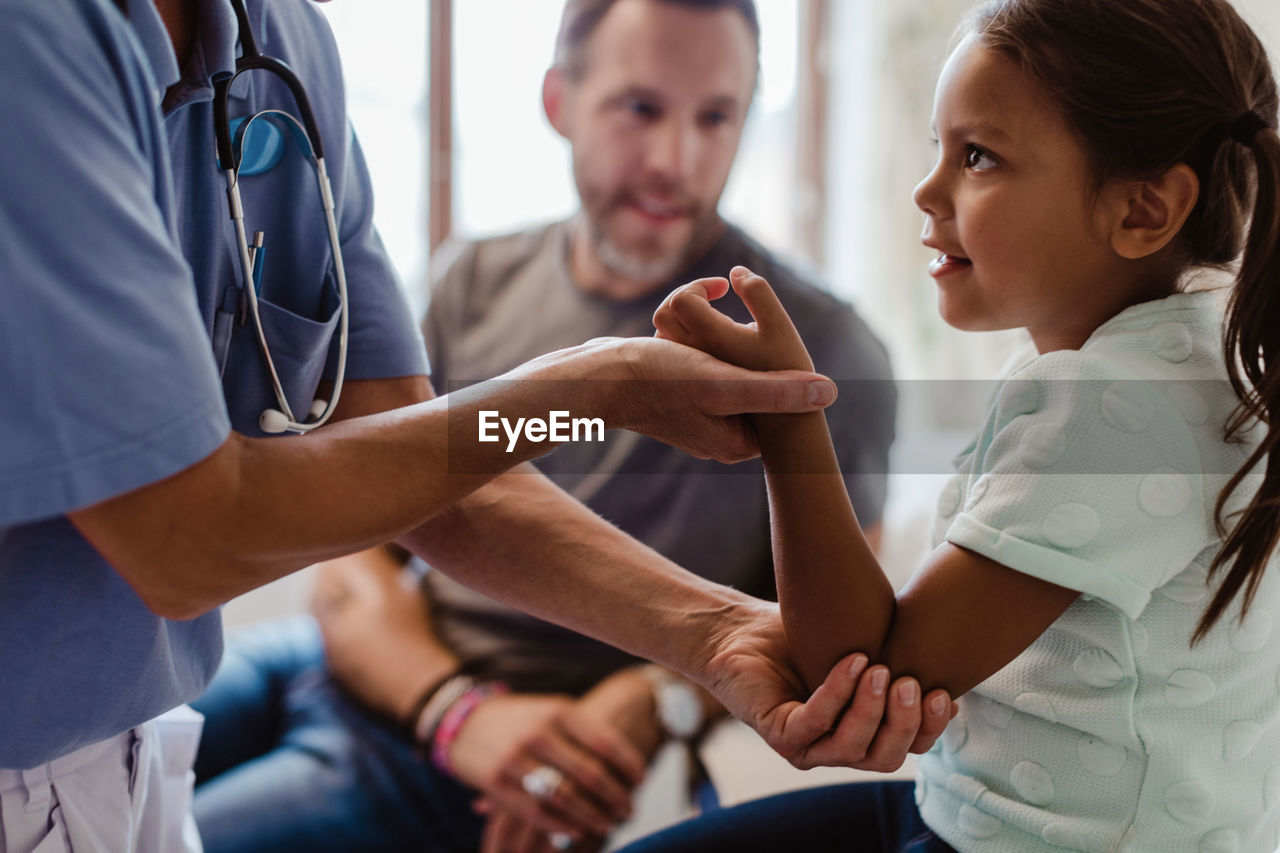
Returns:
point(960, 619)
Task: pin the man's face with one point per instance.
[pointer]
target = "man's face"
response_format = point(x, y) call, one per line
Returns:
point(654, 120)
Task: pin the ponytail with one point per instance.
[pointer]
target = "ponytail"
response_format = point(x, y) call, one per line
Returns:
point(1252, 347)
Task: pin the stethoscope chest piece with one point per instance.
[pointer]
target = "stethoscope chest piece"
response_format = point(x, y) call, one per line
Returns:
point(262, 147)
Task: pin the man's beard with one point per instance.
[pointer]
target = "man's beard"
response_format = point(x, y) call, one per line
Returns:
point(648, 264)
point(650, 267)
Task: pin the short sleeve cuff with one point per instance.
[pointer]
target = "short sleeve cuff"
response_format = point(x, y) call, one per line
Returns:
point(387, 361)
point(34, 494)
point(1048, 565)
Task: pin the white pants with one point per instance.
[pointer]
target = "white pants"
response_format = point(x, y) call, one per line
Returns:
point(128, 794)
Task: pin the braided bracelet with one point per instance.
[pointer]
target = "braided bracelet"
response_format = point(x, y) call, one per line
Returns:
point(450, 724)
point(427, 716)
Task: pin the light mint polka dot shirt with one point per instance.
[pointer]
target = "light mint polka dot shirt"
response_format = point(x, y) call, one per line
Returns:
point(1097, 469)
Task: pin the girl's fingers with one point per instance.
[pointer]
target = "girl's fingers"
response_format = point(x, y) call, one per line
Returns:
point(667, 326)
point(760, 300)
point(712, 331)
point(709, 289)
point(665, 320)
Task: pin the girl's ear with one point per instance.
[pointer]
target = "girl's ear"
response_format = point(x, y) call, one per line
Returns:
point(1154, 212)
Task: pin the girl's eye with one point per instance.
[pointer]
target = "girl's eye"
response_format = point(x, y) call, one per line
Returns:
point(978, 159)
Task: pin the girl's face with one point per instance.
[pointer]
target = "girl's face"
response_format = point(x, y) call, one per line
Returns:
point(1010, 207)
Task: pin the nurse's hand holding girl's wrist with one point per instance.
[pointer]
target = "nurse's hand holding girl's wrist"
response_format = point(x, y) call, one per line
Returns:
point(677, 394)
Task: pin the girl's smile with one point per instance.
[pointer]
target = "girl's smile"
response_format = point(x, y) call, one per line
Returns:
point(946, 264)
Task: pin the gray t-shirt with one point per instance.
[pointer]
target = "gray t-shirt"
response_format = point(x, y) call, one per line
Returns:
point(499, 302)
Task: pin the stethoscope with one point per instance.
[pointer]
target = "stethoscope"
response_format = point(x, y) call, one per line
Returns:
point(230, 156)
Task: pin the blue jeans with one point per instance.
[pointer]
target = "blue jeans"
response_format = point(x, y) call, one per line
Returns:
point(870, 817)
point(288, 762)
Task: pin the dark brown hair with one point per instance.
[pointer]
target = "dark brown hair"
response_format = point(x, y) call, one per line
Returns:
point(581, 17)
point(1148, 84)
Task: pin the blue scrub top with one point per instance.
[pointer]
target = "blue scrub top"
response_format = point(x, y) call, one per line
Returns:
point(121, 358)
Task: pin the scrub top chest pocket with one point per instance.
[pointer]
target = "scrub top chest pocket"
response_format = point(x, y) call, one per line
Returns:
point(299, 304)
point(300, 349)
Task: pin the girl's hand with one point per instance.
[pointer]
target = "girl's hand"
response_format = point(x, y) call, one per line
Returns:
point(769, 343)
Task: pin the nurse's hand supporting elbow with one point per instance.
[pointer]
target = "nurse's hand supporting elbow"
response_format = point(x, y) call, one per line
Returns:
point(883, 723)
point(856, 718)
point(886, 721)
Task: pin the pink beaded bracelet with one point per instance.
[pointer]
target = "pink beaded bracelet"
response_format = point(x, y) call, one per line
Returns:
point(447, 731)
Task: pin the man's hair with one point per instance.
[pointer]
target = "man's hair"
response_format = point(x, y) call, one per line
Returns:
point(581, 17)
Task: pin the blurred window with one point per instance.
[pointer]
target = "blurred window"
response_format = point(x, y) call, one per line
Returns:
point(384, 56)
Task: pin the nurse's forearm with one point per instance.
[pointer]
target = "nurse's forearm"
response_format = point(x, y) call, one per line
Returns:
point(834, 597)
point(258, 509)
point(524, 541)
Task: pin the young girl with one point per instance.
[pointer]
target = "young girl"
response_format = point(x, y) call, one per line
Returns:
point(1098, 588)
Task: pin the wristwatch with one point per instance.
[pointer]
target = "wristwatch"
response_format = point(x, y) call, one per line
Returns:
point(676, 702)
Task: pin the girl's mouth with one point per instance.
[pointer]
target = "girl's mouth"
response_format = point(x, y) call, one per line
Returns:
point(946, 264)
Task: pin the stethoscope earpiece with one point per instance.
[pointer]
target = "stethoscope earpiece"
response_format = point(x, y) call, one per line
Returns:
point(273, 422)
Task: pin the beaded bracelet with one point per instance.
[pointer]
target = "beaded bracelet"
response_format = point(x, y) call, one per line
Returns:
point(447, 731)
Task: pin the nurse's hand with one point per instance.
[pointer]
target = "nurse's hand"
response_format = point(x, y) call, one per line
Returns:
point(749, 672)
point(681, 395)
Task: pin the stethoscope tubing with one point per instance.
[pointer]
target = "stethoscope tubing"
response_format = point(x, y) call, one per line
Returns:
point(273, 421)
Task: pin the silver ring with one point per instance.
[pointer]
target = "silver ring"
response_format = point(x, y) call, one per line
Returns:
point(542, 781)
point(560, 840)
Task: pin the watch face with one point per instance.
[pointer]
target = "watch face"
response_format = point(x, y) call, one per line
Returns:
point(680, 710)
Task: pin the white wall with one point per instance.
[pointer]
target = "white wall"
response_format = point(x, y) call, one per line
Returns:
point(1264, 17)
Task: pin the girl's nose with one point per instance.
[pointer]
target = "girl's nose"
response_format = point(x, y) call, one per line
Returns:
point(930, 195)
